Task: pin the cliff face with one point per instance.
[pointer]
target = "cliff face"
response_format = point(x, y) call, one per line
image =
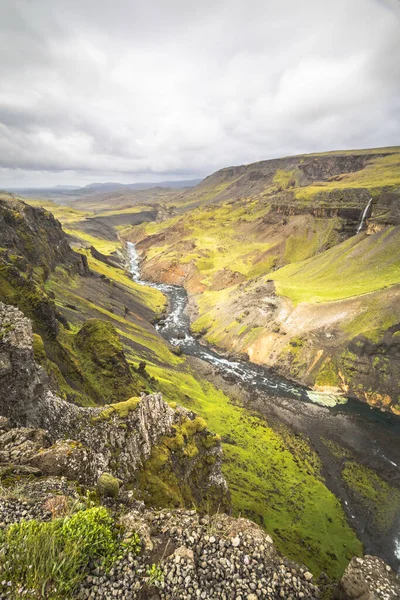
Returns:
point(33, 233)
point(142, 441)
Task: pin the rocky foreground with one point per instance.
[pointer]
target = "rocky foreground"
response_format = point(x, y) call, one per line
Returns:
point(186, 556)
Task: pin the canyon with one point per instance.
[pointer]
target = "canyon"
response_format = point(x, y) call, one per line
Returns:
point(231, 346)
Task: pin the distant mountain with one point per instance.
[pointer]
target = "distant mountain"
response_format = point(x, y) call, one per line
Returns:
point(111, 186)
point(64, 188)
point(103, 188)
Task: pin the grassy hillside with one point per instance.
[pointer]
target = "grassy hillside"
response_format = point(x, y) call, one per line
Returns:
point(293, 221)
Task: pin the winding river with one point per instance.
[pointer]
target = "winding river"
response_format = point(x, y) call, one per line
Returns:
point(371, 434)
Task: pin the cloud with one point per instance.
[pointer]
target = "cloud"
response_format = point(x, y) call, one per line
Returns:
point(130, 90)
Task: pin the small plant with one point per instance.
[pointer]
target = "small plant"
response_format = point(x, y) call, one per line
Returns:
point(47, 560)
point(155, 575)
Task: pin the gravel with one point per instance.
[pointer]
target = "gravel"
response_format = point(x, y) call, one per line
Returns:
point(202, 560)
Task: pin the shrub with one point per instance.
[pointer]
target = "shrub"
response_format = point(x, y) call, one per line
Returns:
point(47, 560)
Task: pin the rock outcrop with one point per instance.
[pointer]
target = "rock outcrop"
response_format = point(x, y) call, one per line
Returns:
point(143, 441)
point(35, 234)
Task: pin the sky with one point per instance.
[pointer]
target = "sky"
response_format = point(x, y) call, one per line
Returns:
point(126, 90)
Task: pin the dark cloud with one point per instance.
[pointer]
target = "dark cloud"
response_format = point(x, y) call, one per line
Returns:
point(128, 90)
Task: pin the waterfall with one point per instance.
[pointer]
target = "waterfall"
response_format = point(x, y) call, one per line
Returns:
point(363, 216)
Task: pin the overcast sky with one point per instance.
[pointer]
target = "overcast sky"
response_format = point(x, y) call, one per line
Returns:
point(133, 90)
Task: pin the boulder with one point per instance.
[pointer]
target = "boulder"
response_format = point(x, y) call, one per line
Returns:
point(368, 578)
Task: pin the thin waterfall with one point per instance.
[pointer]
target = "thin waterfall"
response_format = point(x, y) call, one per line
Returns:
point(363, 216)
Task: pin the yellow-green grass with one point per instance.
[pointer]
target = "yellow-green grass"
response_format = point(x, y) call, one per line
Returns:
point(146, 343)
point(379, 173)
point(110, 212)
point(148, 296)
point(227, 237)
point(305, 241)
point(360, 265)
point(357, 151)
point(102, 245)
point(217, 244)
point(284, 493)
point(64, 214)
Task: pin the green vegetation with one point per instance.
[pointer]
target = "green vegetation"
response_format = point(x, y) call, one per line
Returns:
point(56, 377)
point(148, 296)
point(102, 359)
point(379, 174)
point(160, 479)
point(155, 575)
point(360, 264)
point(120, 409)
point(328, 375)
point(64, 214)
point(284, 179)
point(380, 499)
point(336, 449)
point(49, 559)
point(103, 246)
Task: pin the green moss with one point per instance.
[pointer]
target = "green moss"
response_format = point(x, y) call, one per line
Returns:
point(336, 449)
point(377, 496)
point(284, 179)
point(101, 356)
point(160, 480)
point(103, 246)
point(158, 483)
point(16, 288)
point(120, 409)
point(38, 348)
point(107, 485)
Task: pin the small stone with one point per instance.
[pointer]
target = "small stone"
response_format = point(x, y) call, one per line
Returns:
point(308, 576)
point(236, 541)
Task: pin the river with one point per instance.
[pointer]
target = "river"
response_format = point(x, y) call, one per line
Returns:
point(371, 434)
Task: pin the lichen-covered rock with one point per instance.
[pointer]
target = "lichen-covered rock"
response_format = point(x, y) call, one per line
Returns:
point(108, 486)
point(21, 382)
point(368, 578)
